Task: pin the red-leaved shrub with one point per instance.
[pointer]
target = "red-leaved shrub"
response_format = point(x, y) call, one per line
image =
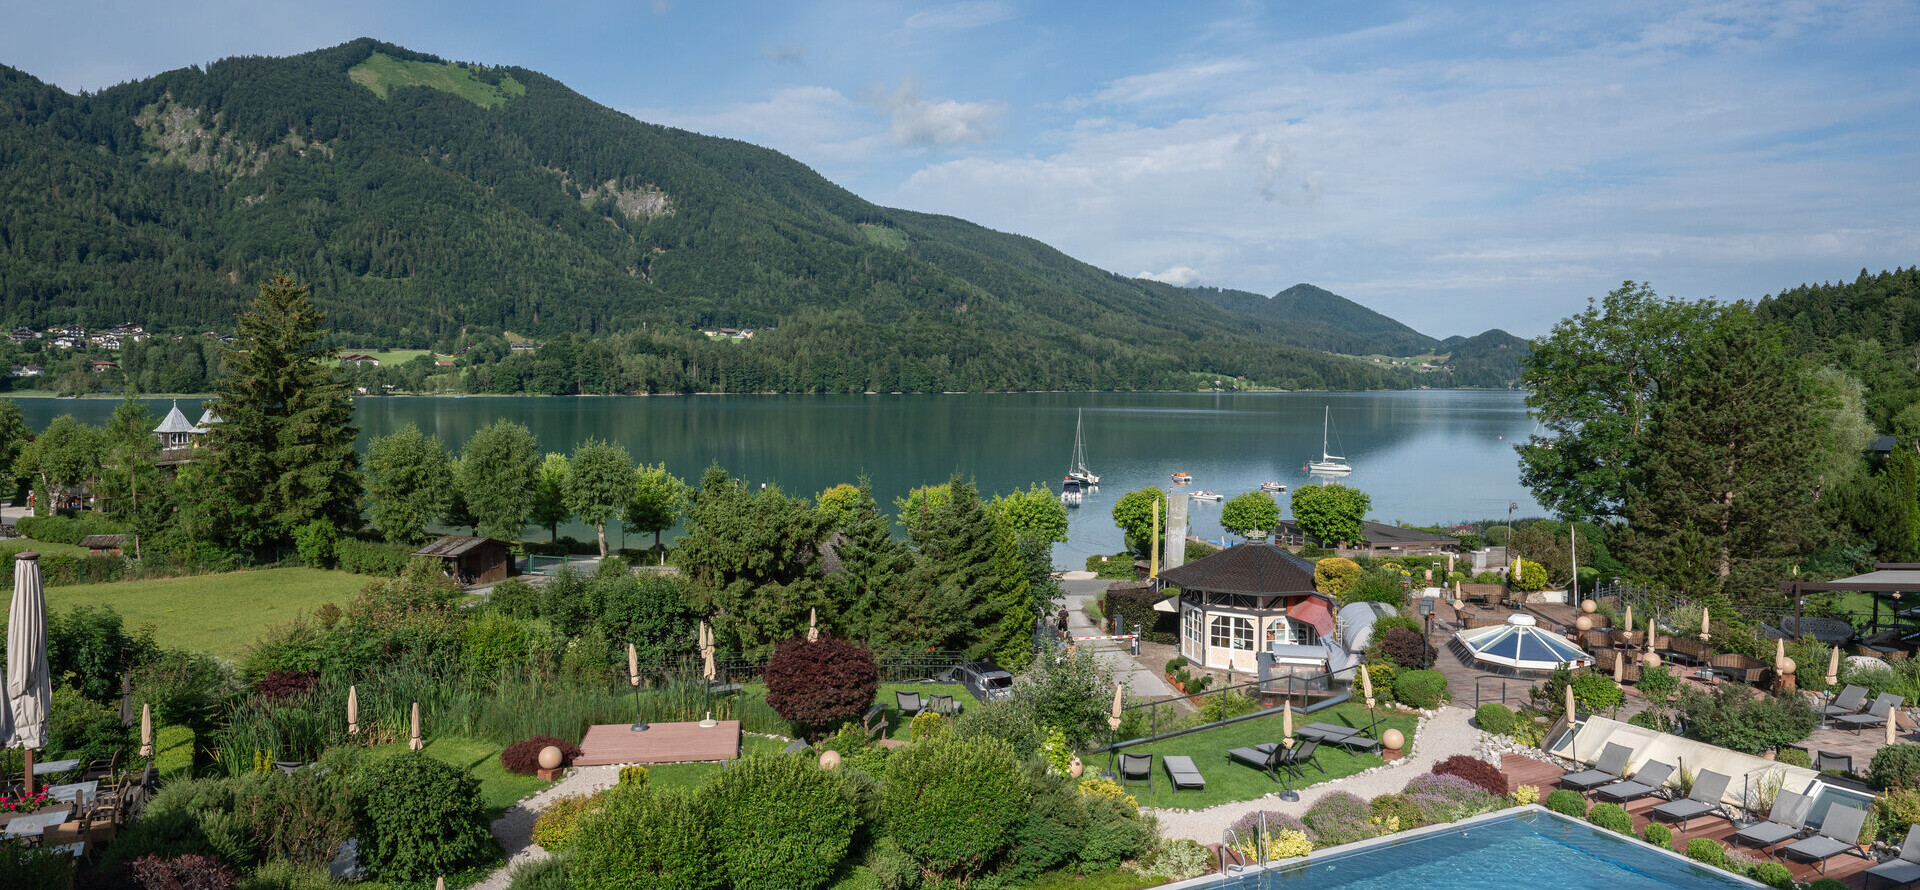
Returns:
point(190, 871)
point(282, 685)
point(1407, 648)
point(523, 757)
point(823, 683)
point(1474, 770)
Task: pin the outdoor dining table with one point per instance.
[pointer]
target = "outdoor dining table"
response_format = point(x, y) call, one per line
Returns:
point(53, 767)
point(34, 826)
point(78, 792)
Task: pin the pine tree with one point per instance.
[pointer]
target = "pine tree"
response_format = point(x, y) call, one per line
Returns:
point(1726, 488)
point(282, 455)
point(968, 584)
point(871, 563)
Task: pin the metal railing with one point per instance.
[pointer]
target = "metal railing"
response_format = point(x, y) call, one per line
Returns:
point(1479, 699)
point(1229, 842)
point(907, 666)
point(1304, 688)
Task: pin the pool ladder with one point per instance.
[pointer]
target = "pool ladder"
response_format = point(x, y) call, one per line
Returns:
point(1230, 840)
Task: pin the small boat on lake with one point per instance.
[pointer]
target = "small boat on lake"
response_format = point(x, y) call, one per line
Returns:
point(1182, 478)
point(1272, 486)
point(1328, 464)
point(1206, 495)
point(1077, 470)
point(1070, 492)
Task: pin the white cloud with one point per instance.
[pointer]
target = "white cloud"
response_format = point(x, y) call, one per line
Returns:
point(1178, 276)
point(960, 16)
point(918, 121)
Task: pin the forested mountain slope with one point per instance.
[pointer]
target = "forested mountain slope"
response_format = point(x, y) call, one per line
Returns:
point(421, 199)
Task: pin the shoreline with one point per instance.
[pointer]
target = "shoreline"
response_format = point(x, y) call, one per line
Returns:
point(97, 397)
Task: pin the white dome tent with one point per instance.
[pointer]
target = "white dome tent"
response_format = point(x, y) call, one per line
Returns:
point(1355, 622)
point(1518, 648)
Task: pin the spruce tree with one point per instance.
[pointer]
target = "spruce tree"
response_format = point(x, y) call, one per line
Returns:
point(871, 563)
point(968, 584)
point(282, 454)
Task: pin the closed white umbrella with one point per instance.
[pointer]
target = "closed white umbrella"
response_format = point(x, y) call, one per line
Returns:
point(633, 666)
point(1286, 724)
point(813, 631)
point(29, 686)
point(146, 730)
point(706, 653)
point(1705, 620)
point(1366, 684)
point(1119, 704)
point(1628, 618)
point(415, 743)
point(1833, 667)
point(353, 710)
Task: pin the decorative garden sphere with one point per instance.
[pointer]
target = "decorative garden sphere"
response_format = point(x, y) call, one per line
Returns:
point(550, 757)
point(1651, 659)
point(1785, 666)
point(830, 760)
point(1076, 768)
point(1393, 739)
point(1583, 623)
point(1588, 606)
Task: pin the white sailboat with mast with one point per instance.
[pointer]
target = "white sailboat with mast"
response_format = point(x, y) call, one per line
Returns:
point(1077, 471)
point(1329, 464)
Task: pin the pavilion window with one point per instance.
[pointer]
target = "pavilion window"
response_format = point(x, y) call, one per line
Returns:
point(1232, 632)
point(1195, 626)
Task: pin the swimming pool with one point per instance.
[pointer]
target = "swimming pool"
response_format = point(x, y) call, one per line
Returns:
point(1528, 849)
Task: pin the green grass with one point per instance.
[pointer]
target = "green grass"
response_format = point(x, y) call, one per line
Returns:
point(499, 789)
point(1229, 780)
point(898, 725)
point(44, 548)
point(219, 614)
point(381, 73)
point(690, 775)
point(172, 751)
point(393, 357)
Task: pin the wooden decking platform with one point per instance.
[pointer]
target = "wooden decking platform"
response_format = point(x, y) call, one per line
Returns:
point(661, 743)
point(1522, 770)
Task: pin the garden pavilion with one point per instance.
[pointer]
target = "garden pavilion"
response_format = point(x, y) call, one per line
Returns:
point(1248, 599)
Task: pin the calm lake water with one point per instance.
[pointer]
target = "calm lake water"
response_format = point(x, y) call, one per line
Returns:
point(1425, 457)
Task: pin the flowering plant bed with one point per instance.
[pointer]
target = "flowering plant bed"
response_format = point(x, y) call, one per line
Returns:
point(26, 803)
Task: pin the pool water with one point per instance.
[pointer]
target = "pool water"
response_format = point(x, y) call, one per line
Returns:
point(1532, 850)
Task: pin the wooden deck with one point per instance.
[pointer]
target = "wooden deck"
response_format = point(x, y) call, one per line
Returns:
point(1521, 770)
point(661, 743)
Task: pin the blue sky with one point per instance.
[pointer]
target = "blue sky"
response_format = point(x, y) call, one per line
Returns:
point(1458, 167)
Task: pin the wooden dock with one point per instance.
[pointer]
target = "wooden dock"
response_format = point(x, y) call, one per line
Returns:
point(661, 743)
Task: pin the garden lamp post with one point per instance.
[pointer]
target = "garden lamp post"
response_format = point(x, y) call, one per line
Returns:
point(1426, 614)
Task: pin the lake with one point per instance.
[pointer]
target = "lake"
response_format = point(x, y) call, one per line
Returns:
point(1425, 457)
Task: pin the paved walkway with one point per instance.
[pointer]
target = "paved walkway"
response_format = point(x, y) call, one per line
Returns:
point(1141, 681)
point(514, 829)
point(1438, 737)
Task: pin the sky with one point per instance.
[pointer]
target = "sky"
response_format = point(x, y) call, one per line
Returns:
point(1456, 166)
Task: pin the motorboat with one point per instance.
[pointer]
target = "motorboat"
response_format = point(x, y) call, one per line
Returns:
point(1206, 495)
point(1272, 486)
point(1182, 478)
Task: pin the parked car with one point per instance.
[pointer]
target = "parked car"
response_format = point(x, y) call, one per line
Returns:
point(984, 679)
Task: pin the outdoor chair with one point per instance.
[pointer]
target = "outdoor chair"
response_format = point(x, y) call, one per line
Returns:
point(1135, 767)
point(1839, 833)
point(1182, 773)
point(1849, 701)
point(1603, 664)
point(1612, 762)
point(909, 703)
point(1269, 757)
point(1600, 622)
point(1825, 761)
point(1629, 639)
point(1877, 714)
point(1742, 668)
point(1478, 621)
point(1785, 822)
point(1903, 869)
point(1302, 754)
point(1597, 641)
point(1686, 651)
point(944, 705)
point(1646, 782)
point(1704, 800)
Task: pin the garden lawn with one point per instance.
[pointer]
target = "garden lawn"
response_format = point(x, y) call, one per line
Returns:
point(690, 775)
point(219, 614)
point(900, 726)
point(1229, 780)
point(172, 751)
point(499, 789)
point(44, 548)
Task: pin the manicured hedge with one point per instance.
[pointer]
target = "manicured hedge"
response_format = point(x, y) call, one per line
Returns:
point(371, 557)
point(1421, 689)
point(421, 818)
point(67, 529)
point(1495, 718)
point(1134, 605)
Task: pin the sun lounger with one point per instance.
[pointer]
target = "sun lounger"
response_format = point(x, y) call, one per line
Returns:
point(1135, 767)
point(1703, 800)
point(1785, 822)
point(1182, 773)
point(1876, 714)
point(1839, 833)
point(1645, 783)
point(1849, 701)
point(1268, 757)
point(1905, 869)
point(1612, 762)
point(1300, 756)
point(1349, 737)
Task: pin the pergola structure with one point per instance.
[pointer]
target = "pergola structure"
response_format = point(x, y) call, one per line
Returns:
point(1248, 599)
point(1889, 581)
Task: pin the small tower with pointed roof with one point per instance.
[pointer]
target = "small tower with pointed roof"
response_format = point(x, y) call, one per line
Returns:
point(175, 431)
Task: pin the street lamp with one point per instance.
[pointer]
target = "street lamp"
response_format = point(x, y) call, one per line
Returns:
point(1426, 613)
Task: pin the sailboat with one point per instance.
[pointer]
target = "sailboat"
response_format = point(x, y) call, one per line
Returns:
point(1077, 470)
point(1328, 464)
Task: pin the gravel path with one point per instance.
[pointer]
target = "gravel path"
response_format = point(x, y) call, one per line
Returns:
point(1439, 736)
point(514, 829)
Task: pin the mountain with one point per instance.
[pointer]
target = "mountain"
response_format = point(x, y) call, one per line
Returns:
point(1491, 359)
point(1869, 327)
point(427, 202)
point(1318, 319)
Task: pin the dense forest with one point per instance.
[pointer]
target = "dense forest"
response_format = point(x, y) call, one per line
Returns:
point(424, 200)
point(1868, 327)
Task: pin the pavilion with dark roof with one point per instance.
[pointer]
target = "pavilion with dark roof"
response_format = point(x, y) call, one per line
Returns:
point(1248, 599)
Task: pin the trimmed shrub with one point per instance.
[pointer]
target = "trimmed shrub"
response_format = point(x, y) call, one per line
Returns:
point(1733, 717)
point(1658, 835)
point(1612, 817)
point(420, 818)
point(926, 724)
point(554, 827)
point(1407, 648)
point(633, 775)
point(1772, 874)
point(1334, 575)
point(820, 684)
point(1442, 798)
point(523, 757)
point(647, 837)
point(781, 822)
point(492, 641)
point(187, 872)
point(1567, 803)
point(1796, 757)
point(1526, 794)
point(1474, 770)
point(551, 873)
point(67, 529)
point(953, 803)
point(1598, 693)
point(1178, 859)
point(1134, 605)
point(1896, 766)
point(1495, 718)
point(1706, 850)
point(1340, 818)
point(371, 557)
point(1425, 690)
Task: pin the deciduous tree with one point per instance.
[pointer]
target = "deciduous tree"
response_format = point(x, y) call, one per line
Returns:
point(64, 455)
point(409, 483)
point(1133, 514)
point(599, 482)
point(1254, 511)
point(498, 468)
point(1034, 514)
point(550, 495)
point(1330, 512)
point(127, 451)
point(656, 501)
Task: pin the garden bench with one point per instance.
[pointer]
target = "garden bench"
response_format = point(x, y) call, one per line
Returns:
point(875, 721)
point(1738, 667)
